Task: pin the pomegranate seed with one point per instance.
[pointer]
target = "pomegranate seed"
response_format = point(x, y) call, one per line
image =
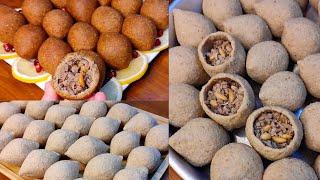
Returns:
point(157, 43)
point(160, 32)
point(135, 54)
point(36, 62)
point(113, 73)
point(38, 68)
point(7, 47)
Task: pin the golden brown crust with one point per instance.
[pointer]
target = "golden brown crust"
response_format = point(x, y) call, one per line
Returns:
point(104, 2)
point(156, 10)
point(35, 10)
point(127, 7)
point(83, 36)
point(28, 40)
point(10, 22)
point(51, 53)
point(82, 10)
point(141, 31)
point(107, 19)
point(59, 3)
point(118, 58)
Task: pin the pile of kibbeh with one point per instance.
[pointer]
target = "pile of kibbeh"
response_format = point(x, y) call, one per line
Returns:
point(246, 66)
point(88, 36)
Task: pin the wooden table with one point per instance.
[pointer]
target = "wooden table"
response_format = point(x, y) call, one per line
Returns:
point(153, 86)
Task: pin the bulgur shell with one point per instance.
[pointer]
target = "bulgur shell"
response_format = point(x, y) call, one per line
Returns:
point(158, 137)
point(122, 112)
point(248, 103)
point(38, 109)
point(21, 104)
point(94, 109)
point(17, 124)
point(276, 12)
point(141, 123)
point(237, 62)
point(157, 10)
point(199, 140)
point(107, 19)
point(78, 123)
point(311, 125)
point(8, 109)
point(185, 67)
point(57, 114)
point(301, 37)
point(236, 161)
point(249, 29)
point(268, 152)
point(39, 131)
point(191, 27)
point(134, 173)
point(15, 152)
point(104, 128)
point(127, 7)
point(63, 170)
point(248, 6)
point(60, 140)
point(184, 104)
point(309, 72)
point(57, 23)
point(5, 138)
point(289, 168)
point(220, 10)
point(265, 59)
point(75, 104)
point(35, 10)
point(124, 142)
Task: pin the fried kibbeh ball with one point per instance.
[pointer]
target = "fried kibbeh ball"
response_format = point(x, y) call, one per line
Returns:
point(107, 19)
point(35, 10)
point(127, 7)
point(83, 36)
point(141, 31)
point(51, 53)
point(59, 3)
point(104, 2)
point(118, 57)
point(10, 22)
point(57, 23)
point(156, 10)
point(82, 10)
point(28, 40)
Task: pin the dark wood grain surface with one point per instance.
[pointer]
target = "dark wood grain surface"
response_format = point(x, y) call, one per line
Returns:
point(153, 86)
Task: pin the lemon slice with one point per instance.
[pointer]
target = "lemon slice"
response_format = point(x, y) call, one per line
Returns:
point(6, 55)
point(24, 70)
point(164, 43)
point(113, 90)
point(137, 68)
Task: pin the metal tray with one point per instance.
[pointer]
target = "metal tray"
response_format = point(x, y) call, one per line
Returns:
point(182, 167)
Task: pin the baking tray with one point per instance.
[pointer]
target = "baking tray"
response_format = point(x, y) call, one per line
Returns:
point(182, 167)
point(12, 171)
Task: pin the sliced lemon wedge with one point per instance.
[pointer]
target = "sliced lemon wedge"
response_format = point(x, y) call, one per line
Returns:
point(137, 68)
point(24, 70)
point(113, 90)
point(6, 55)
point(164, 43)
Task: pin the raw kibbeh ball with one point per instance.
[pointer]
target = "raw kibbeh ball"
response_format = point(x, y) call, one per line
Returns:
point(38, 109)
point(39, 131)
point(83, 36)
point(51, 53)
point(17, 124)
point(78, 123)
point(289, 168)
point(141, 31)
point(187, 23)
point(221, 53)
point(184, 104)
point(199, 140)
point(57, 114)
point(6, 110)
point(60, 140)
point(104, 128)
point(82, 10)
point(118, 58)
point(265, 59)
point(311, 124)
point(228, 99)
point(249, 29)
point(274, 132)
point(94, 109)
point(10, 22)
point(141, 123)
point(236, 161)
point(107, 19)
point(309, 72)
point(57, 23)
point(5, 138)
point(127, 7)
point(301, 37)
point(220, 10)
point(278, 87)
point(64, 169)
point(158, 137)
point(122, 112)
point(185, 67)
point(28, 40)
point(277, 12)
point(134, 173)
point(157, 10)
point(35, 10)
point(124, 142)
point(143, 156)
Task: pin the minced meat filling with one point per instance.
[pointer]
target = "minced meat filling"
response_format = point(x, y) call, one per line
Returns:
point(219, 53)
point(76, 76)
point(225, 97)
point(273, 129)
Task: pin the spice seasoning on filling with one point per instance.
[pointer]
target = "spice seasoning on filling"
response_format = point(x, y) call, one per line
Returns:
point(219, 53)
point(273, 129)
point(225, 97)
point(76, 76)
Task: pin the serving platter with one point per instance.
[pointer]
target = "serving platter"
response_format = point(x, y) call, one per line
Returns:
point(12, 171)
point(177, 162)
